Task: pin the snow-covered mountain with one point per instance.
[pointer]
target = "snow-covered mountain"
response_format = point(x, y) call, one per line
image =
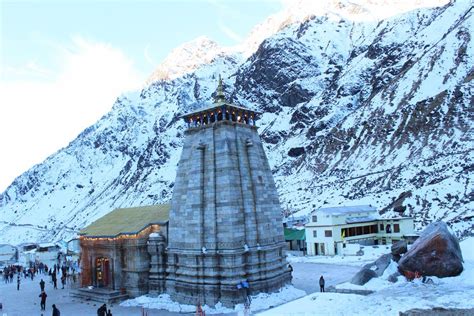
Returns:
point(357, 110)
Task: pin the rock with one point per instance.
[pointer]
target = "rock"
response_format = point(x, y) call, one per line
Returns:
point(400, 247)
point(379, 265)
point(393, 277)
point(438, 311)
point(363, 276)
point(436, 252)
point(296, 151)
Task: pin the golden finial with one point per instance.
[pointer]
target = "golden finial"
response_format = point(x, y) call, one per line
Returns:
point(220, 97)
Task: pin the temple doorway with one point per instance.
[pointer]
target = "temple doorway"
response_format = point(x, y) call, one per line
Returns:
point(102, 270)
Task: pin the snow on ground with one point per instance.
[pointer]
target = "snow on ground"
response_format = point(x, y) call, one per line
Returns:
point(371, 253)
point(392, 298)
point(260, 302)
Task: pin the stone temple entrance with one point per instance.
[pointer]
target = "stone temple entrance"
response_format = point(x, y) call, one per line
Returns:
point(102, 270)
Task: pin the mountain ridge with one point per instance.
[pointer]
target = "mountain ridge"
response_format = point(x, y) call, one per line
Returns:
point(354, 113)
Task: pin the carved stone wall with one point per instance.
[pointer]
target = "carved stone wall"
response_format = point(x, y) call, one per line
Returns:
point(156, 249)
point(225, 222)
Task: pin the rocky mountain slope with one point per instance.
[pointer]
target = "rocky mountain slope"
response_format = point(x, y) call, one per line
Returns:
point(356, 111)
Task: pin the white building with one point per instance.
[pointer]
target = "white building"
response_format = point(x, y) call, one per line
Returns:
point(43, 252)
point(8, 254)
point(335, 230)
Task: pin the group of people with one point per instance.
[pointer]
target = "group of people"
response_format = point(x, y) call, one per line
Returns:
point(68, 274)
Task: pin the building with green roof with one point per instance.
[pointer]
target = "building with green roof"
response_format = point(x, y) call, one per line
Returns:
point(115, 254)
point(127, 221)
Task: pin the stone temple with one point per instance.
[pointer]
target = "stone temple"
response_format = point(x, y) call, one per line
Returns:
point(225, 222)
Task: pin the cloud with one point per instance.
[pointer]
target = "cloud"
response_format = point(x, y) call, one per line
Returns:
point(39, 115)
point(148, 58)
point(230, 33)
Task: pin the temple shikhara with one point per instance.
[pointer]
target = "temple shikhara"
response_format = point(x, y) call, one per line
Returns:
point(222, 229)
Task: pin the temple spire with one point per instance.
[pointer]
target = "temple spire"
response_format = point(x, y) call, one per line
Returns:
point(220, 97)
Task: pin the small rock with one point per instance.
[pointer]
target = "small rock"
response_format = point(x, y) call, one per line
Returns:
point(400, 247)
point(393, 277)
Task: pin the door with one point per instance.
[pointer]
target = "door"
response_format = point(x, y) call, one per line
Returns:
point(102, 269)
point(323, 252)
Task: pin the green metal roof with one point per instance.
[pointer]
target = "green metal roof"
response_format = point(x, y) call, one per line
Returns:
point(127, 221)
point(294, 234)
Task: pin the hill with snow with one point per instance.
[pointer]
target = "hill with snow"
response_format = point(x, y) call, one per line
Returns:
point(357, 110)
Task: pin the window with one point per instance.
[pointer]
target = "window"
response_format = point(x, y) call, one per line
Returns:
point(388, 229)
point(381, 227)
point(315, 218)
point(352, 231)
point(366, 230)
point(345, 232)
point(375, 228)
point(396, 228)
point(315, 233)
point(328, 233)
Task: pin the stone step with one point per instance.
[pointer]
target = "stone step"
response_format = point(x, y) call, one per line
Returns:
point(98, 295)
point(349, 291)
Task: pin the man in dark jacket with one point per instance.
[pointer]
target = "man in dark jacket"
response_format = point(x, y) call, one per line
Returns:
point(102, 311)
point(55, 280)
point(321, 284)
point(43, 296)
point(56, 311)
point(42, 285)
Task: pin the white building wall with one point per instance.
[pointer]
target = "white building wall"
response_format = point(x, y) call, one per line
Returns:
point(335, 223)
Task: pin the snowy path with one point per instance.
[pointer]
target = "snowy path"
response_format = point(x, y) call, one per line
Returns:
point(391, 298)
point(306, 275)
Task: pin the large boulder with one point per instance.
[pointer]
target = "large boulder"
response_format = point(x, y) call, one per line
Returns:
point(379, 265)
point(363, 276)
point(399, 248)
point(436, 252)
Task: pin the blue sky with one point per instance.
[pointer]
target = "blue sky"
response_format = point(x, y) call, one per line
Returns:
point(145, 31)
point(63, 63)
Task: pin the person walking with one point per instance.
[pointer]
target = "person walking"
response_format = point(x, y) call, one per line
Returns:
point(43, 296)
point(109, 313)
point(18, 280)
point(199, 310)
point(56, 311)
point(321, 284)
point(102, 311)
point(42, 285)
point(55, 280)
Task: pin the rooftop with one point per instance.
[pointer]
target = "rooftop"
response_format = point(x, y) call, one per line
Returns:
point(343, 210)
point(127, 221)
point(219, 110)
point(360, 219)
point(294, 234)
